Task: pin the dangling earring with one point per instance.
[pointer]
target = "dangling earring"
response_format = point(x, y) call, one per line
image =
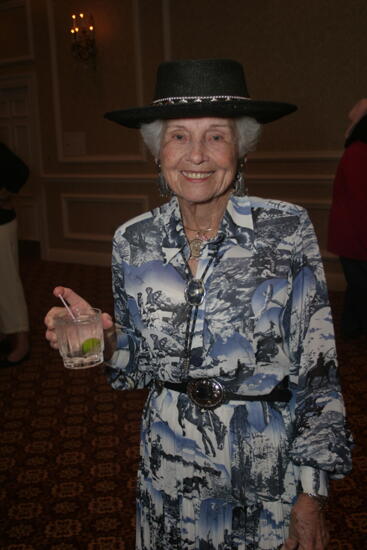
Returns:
point(239, 182)
point(164, 190)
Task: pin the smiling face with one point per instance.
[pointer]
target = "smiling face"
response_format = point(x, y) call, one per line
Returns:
point(199, 158)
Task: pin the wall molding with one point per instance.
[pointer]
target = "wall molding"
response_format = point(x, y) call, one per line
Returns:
point(30, 215)
point(13, 4)
point(98, 178)
point(292, 178)
point(69, 198)
point(78, 257)
point(318, 204)
point(14, 60)
point(294, 156)
point(26, 80)
point(315, 204)
point(141, 156)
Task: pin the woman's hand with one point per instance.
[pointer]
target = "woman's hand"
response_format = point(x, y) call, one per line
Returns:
point(307, 530)
point(76, 302)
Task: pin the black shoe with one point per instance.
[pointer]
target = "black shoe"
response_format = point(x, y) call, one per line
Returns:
point(5, 362)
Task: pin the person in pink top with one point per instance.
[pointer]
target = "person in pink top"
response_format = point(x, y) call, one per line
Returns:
point(347, 235)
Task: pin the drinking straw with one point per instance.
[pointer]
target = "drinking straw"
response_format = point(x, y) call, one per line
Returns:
point(67, 307)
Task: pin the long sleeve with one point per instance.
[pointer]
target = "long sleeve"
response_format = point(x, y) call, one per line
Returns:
point(122, 370)
point(321, 442)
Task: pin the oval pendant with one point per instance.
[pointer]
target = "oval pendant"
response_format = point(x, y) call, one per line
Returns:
point(195, 247)
point(195, 292)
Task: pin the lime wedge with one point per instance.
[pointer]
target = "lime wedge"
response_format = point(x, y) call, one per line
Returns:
point(92, 344)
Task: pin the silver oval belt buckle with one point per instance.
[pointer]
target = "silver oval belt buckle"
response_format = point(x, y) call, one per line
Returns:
point(207, 393)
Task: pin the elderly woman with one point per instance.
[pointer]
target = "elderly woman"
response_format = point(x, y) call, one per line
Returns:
point(221, 309)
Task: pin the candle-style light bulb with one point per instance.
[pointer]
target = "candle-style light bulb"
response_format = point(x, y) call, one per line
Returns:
point(83, 46)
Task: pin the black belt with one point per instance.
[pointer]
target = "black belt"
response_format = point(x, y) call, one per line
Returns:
point(209, 393)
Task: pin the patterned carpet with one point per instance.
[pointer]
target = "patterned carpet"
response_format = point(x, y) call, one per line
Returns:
point(69, 444)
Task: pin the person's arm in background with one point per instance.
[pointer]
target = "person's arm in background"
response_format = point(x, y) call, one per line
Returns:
point(354, 172)
point(14, 172)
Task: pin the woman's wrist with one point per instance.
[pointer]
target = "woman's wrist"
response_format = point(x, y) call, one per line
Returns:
point(321, 500)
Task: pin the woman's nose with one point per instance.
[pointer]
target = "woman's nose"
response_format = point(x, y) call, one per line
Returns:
point(197, 152)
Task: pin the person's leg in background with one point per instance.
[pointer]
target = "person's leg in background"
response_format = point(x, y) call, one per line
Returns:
point(13, 309)
point(354, 315)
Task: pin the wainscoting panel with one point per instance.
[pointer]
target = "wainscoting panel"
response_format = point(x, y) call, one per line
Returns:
point(16, 32)
point(93, 217)
point(83, 212)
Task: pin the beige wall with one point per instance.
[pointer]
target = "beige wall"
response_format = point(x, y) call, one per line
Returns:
point(89, 175)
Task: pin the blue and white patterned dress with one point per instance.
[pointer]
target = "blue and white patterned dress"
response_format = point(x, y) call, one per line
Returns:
point(225, 479)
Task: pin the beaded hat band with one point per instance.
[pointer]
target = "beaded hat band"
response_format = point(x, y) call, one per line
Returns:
point(198, 99)
point(201, 88)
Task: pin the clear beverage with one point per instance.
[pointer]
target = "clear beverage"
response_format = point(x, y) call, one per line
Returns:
point(80, 340)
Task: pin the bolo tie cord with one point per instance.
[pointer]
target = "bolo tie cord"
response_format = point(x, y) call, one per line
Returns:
point(190, 326)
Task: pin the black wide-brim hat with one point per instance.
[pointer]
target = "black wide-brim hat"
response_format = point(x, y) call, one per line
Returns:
point(201, 88)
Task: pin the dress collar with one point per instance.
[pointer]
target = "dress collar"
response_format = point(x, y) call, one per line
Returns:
point(237, 226)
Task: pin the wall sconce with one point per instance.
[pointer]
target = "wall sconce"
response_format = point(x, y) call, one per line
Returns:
point(83, 44)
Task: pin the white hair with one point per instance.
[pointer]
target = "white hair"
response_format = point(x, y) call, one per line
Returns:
point(248, 132)
point(152, 133)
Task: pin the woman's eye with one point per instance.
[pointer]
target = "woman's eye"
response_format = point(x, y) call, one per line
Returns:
point(178, 137)
point(217, 137)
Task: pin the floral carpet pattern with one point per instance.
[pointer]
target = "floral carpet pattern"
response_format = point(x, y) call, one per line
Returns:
point(69, 443)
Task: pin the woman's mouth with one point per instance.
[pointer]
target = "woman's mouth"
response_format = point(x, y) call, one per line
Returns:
point(196, 175)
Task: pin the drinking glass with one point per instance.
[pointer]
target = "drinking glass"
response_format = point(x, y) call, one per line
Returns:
point(80, 338)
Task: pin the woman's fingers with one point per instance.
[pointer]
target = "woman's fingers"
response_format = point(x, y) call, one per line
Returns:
point(107, 321)
point(50, 326)
point(50, 317)
point(52, 340)
point(71, 297)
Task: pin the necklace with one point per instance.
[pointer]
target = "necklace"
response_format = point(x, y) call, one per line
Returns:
point(198, 230)
point(201, 236)
point(195, 247)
